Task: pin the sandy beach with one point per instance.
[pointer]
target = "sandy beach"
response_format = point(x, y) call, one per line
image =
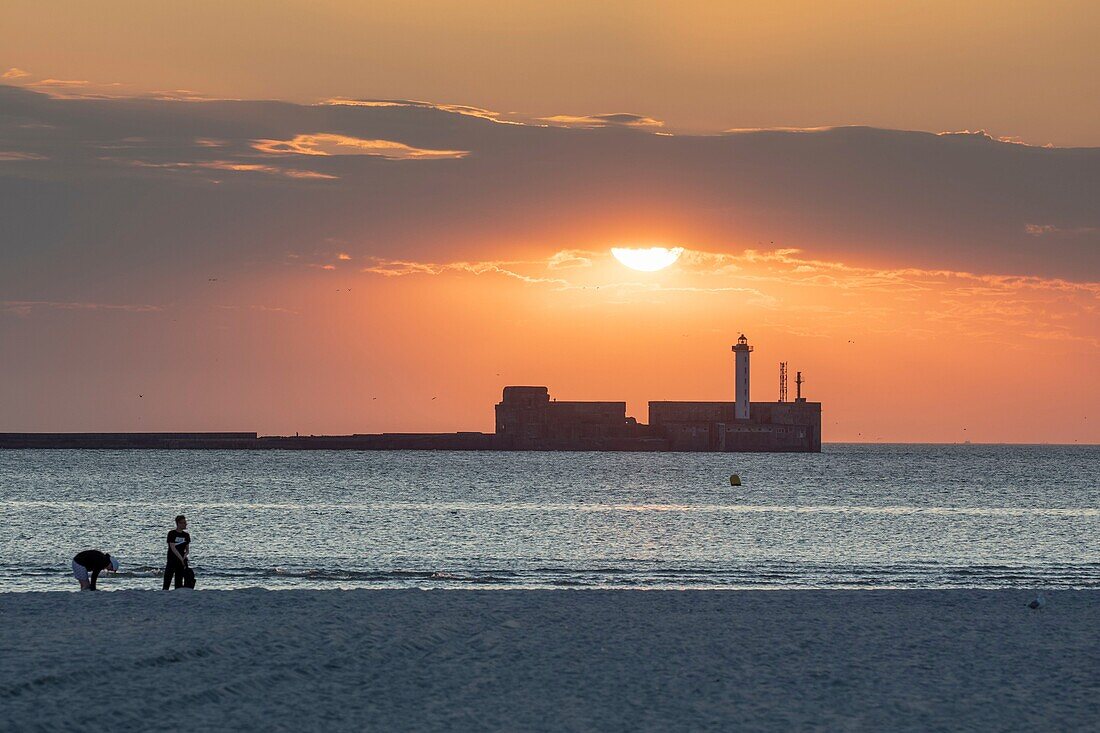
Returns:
point(549, 660)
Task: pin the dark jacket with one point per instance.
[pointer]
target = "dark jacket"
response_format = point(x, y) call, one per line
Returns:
point(94, 562)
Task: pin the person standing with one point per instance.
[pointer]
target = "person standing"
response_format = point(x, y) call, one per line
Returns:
point(179, 543)
point(92, 562)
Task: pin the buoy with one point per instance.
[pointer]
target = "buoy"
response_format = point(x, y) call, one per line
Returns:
point(735, 480)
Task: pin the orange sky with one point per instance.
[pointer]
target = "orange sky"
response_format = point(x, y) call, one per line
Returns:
point(314, 266)
point(893, 355)
point(1023, 67)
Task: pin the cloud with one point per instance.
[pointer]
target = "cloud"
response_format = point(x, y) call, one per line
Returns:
point(569, 258)
point(616, 119)
point(973, 135)
point(752, 130)
point(982, 307)
point(323, 143)
point(236, 166)
point(1039, 230)
point(401, 268)
point(458, 109)
point(228, 165)
point(342, 102)
point(260, 309)
point(531, 273)
point(18, 155)
point(933, 302)
point(983, 135)
point(26, 307)
point(70, 88)
point(62, 83)
point(404, 268)
point(889, 198)
point(178, 95)
point(979, 306)
point(791, 266)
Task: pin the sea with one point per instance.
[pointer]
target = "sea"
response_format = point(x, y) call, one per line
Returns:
point(853, 516)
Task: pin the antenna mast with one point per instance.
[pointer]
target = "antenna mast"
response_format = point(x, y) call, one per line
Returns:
point(782, 381)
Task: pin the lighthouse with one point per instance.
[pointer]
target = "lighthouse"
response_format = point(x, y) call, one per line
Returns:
point(741, 353)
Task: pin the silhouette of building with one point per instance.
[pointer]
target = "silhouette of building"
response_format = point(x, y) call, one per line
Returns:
point(714, 426)
point(527, 419)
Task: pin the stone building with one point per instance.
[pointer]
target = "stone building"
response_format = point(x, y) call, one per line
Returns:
point(527, 419)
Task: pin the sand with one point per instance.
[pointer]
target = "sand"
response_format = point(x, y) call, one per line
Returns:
point(549, 660)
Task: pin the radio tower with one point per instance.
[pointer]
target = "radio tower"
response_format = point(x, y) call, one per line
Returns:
point(782, 381)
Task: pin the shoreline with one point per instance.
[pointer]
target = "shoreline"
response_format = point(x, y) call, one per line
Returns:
point(397, 443)
point(254, 659)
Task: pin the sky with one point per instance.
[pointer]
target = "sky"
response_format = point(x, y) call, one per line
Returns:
point(324, 218)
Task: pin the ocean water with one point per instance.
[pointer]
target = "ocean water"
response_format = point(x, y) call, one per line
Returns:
point(854, 516)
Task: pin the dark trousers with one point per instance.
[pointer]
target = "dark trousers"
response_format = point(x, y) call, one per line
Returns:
point(173, 568)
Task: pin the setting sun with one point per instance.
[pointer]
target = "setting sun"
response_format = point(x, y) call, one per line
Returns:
point(648, 259)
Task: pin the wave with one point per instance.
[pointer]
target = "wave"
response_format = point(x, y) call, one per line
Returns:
point(587, 507)
point(766, 574)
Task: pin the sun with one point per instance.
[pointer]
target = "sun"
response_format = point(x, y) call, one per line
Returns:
point(646, 259)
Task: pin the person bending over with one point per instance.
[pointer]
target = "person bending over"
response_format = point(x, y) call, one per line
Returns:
point(179, 542)
point(88, 564)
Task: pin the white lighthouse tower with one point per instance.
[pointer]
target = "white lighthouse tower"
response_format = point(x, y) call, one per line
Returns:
point(741, 377)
